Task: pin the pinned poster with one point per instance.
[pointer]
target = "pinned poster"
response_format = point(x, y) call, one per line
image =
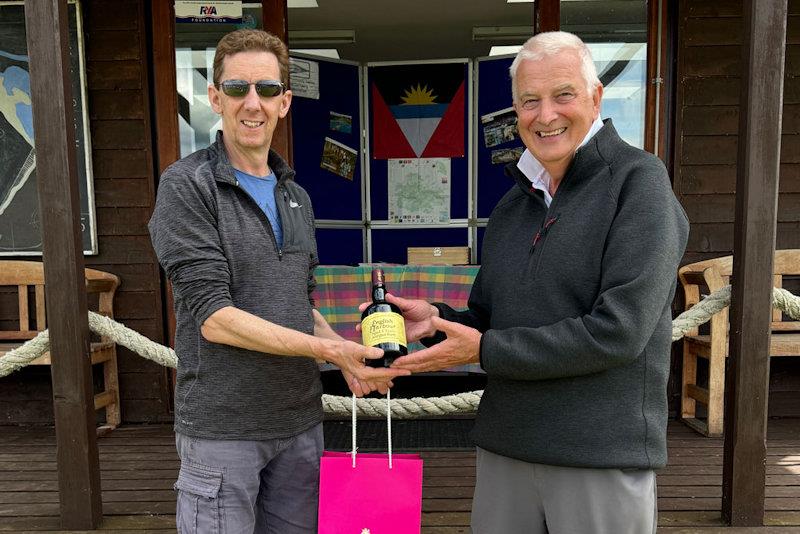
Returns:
point(338, 158)
point(419, 191)
point(499, 127)
point(339, 122)
point(304, 78)
point(418, 110)
point(507, 155)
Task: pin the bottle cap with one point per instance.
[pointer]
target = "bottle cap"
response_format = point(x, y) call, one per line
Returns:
point(377, 277)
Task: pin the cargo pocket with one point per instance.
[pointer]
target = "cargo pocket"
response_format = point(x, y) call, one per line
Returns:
point(198, 507)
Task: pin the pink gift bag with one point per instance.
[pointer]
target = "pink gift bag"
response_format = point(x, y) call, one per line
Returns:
point(370, 493)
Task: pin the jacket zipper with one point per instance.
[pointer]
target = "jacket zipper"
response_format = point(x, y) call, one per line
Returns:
point(540, 238)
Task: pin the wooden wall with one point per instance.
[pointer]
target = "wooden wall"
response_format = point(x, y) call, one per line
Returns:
point(707, 122)
point(709, 64)
point(122, 153)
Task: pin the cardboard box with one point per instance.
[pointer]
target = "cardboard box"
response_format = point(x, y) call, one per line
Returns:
point(438, 255)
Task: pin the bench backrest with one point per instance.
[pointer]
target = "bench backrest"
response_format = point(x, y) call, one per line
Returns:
point(716, 273)
point(26, 274)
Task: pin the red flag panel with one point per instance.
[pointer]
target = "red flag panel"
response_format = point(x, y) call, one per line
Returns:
point(388, 140)
point(447, 140)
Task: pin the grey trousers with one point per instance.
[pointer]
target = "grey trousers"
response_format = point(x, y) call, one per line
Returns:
point(516, 497)
point(247, 487)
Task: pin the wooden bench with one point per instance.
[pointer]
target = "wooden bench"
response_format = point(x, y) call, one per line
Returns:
point(713, 344)
point(26, 274)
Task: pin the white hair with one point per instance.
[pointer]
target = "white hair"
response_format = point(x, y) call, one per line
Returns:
point(548, 44)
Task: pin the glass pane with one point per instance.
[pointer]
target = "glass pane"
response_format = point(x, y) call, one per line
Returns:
point(616, 32)
point(194, 56)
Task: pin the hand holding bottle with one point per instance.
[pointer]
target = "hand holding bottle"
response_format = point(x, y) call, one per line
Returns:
point(417, 315)
point(382, 324)
point(351, 357)
point(462, 346)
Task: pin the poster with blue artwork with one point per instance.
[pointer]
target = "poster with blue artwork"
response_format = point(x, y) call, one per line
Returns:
point(20, 228)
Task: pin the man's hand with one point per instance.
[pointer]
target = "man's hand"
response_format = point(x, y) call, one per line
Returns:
point(417, 316)
point(360, 388)
point(349, 357)
point(462, 346)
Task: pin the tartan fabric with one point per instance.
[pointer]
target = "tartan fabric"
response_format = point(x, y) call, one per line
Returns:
point(341, 289)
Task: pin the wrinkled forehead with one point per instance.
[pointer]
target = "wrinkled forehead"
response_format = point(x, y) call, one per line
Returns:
point(549, 75)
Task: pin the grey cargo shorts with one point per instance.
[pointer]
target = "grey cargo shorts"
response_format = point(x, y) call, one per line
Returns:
point(235, 486)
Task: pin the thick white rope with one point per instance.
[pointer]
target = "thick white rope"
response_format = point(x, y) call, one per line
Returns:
point(702, 312)
point(400, 408)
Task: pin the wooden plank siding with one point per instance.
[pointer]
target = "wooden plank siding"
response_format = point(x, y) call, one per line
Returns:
point(709, 63)
point(118, 100)
point(122, 148)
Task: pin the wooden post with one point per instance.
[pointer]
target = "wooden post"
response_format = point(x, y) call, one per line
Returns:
point(546, 16)
point(168, 143)
point(57, 177)
point(747, 383)
point(652, 81)
point(276, 21)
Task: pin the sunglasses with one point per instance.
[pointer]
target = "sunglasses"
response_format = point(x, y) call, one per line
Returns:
point(240, 88)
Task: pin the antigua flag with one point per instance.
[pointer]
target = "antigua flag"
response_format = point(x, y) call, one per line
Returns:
point(418, 110)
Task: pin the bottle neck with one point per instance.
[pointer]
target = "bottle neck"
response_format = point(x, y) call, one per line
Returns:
point(378, 293)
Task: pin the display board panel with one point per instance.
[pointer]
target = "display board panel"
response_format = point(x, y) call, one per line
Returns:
point(419, 111)
point(497, 142)
point(340, 246)
point(326, 133)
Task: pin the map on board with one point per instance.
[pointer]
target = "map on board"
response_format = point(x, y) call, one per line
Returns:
point(20, 227)
point(419, 191)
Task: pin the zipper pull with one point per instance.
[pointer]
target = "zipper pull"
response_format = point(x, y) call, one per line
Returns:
point(542, 231)
point(280, 255)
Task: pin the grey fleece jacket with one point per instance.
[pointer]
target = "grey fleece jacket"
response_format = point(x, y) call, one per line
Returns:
point(577, 321)
point(218, 249)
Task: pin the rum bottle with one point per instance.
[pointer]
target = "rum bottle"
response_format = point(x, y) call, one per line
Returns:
point(382, 325)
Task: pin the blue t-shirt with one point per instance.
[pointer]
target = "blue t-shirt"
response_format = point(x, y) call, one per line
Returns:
point(262, 190)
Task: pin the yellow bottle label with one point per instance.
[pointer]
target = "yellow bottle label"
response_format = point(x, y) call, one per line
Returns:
point(383, 327)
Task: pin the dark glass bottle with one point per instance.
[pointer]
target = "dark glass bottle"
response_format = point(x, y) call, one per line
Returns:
point(382, 325)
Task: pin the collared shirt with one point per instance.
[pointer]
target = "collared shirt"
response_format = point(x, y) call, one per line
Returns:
point(535, 171)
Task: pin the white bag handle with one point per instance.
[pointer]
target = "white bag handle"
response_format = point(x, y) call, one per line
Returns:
point(388, 426)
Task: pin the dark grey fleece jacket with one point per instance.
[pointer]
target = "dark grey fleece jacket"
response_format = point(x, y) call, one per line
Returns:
point(218, 249)
point(577, 321)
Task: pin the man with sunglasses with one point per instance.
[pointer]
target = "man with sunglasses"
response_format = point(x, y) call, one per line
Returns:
point(235, 235)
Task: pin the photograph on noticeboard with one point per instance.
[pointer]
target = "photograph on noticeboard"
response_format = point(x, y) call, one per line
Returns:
point(338, 158)
point(499, 127)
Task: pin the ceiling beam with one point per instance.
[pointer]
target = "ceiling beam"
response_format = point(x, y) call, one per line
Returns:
point(546, 16)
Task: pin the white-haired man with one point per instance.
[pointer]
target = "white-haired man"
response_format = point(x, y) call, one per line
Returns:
point(570, 315)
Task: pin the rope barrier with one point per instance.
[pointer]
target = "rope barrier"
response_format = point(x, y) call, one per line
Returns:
point(401, 408)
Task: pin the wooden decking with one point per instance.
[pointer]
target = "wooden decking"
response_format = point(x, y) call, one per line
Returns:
point(139, 466)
